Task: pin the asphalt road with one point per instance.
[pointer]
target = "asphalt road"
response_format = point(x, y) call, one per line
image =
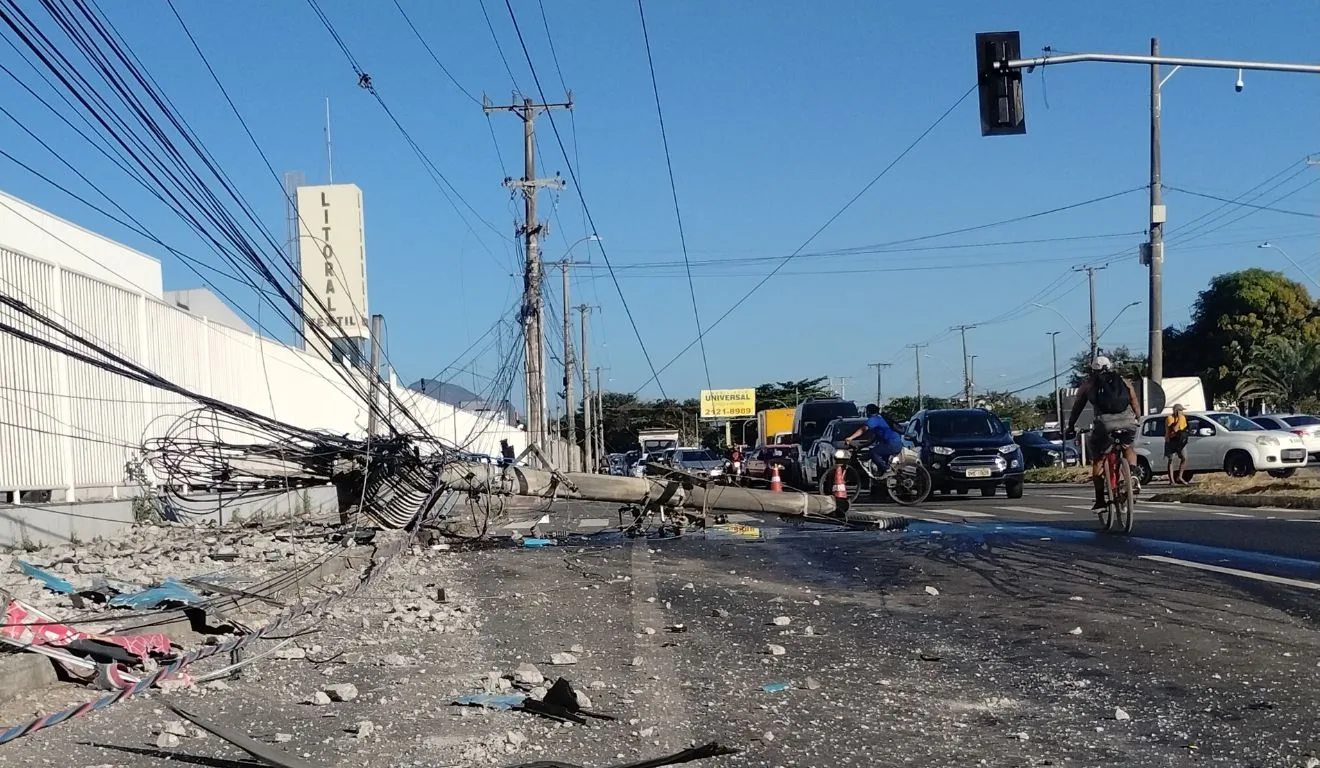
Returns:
point(990, 632)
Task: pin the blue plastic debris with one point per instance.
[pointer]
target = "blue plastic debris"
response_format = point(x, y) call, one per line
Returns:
point(500, 701)
point(168, 591)
point(52, 582)
point(775, 687)
point(537, 542)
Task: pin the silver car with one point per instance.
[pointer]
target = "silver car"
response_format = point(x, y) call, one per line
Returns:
point(698, 461)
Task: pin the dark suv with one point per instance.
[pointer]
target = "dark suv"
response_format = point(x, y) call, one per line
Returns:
point(967, 448)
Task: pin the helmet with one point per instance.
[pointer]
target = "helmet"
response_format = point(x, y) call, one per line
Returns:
point(1100, 363)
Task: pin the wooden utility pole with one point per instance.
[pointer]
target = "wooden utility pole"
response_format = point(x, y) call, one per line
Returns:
point(588, 433)
point(879, 381)
point(530, 230)
point(1090, 284)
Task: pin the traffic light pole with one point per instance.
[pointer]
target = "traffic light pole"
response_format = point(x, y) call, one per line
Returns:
point(1002, 113)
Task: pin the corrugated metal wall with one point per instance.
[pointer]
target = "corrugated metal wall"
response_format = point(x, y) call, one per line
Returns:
point(66, 424)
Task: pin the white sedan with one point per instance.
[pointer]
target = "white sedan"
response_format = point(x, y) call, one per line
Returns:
point(1222, 442)
point(1303, 425)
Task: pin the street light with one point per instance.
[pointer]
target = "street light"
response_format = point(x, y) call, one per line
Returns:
point(1062, 317)
point(1054, 353)
point(1115, 320)
point(1268, 244)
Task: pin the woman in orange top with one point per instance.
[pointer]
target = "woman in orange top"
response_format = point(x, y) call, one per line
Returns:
point(1175, 444)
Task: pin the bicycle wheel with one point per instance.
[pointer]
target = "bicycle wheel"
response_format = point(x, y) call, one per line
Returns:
point(910, 483)
point(1111, 500)
point(1125, 502)
point(852, 480)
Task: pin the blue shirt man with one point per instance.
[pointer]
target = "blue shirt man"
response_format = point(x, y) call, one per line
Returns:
point(885, 442)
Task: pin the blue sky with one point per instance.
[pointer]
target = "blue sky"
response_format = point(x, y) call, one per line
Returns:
point(775, 120)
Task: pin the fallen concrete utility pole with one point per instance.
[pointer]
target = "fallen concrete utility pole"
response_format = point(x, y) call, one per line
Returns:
point(663, 492)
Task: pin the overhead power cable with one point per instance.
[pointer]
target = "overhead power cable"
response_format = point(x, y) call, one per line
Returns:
point(673, 191)
point(577, 187)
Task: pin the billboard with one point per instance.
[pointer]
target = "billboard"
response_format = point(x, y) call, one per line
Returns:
point(728, 403)
point(332, 262)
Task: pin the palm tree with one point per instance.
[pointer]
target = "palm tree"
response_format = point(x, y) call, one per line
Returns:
point(1281, 373)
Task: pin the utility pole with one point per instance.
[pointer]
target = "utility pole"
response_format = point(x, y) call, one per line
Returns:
point(531, 229)
point(376, 322)
point(879, 381)
point(1054, 353)
point(1090, 281)
point(1156, 243)
point(600, 420)
point(843, 387)
point(588, 433)
point(967, 373)
point(916, 349)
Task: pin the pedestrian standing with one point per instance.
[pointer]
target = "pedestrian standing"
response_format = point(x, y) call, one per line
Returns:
point(1175, 444)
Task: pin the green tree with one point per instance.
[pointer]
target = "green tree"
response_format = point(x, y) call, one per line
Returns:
point(1006, 405)
point(1282, 373)
point(787, 394)
point(1237, 312)
point(1128, 364)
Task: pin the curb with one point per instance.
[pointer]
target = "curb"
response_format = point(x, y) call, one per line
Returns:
point(1238, 500)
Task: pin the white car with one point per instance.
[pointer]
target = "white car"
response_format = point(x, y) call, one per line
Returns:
point(1303, 425)
point(1221, 442)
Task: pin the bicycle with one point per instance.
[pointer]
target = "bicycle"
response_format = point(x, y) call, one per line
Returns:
point(1119, 499)
point(908, 481)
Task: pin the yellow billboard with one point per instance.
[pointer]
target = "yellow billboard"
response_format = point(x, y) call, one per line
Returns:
point(728, 403)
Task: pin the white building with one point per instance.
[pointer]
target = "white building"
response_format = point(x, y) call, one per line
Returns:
point(69, 431)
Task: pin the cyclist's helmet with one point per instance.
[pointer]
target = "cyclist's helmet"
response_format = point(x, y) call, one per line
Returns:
point(1100, 363)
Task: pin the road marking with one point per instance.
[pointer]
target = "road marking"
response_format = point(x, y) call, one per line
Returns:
point(1304, 520)
point(961, 513)
point(1061, 496)
point(594, 522)
point(1033, 510)
point(1233, 572)
point(933, 520)
point(521, 525)
point(1231, 514)
point(1084, 509)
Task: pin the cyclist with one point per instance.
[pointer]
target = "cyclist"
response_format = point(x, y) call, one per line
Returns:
point(885, 442)
point(1115, 404)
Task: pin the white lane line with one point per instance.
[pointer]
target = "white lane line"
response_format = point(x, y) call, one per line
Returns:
point(594, 522)
point(1233, 572)
point(1231, 514)
point(932, 520)
point(1033, 510)
point(1084, 509)
point(1304, 520)
point(961, 512)
point(1061, 496)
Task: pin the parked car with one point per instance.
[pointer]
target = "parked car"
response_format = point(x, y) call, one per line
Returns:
point(1221, 442)
point(967, 448)
point(818, 462)
point(1039, 451)
point(698, 461)
point(787, 456)
point(1303, 425)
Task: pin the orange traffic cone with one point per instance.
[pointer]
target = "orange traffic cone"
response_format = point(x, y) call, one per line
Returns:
point(840, 487)
point(776, 484)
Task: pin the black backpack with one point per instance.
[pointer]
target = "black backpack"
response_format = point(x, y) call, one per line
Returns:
point(1111, 393)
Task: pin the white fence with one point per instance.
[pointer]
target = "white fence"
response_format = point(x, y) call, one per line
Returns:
point(69, 427)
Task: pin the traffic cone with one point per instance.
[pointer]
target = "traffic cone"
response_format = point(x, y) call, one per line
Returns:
point(840, 487)
point(776, 484)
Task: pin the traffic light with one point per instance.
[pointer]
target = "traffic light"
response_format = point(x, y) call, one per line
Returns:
point(1000, 88)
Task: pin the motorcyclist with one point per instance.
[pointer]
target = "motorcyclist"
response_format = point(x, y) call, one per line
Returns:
point(1116, 408)
point(885, 442)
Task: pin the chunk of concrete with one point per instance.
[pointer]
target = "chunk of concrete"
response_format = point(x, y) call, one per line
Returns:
point(24, 672)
